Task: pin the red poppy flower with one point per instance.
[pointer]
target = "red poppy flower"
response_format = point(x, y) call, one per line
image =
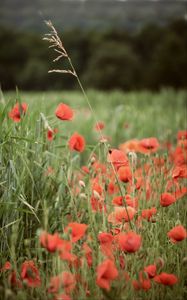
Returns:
point(77, 142)
point(133, 202)
point(50, 241)
point(88, 254)
point(65, 252)
point(167, 199)
point(118, 158)
point(179, 172)
point(96, 186)
point(124, 174)
point(148, 145)
point(7, 266)
point(68, 282)
point(18, 111)
point(177, 234)
point(112, 188)
point(150, 270)
point(149, 213)
point(180, 155)
point(64, 112)
point(51, 133)
point(119, 200)
point(130, 146)
point(106, 240)
point(99, 126)
point(85, 169)
point(77, 231)
point(182, 134)
point(64, 280)
point(180, 193)
point(166, 279)
point(143, 282)
point(62, 297)
point(106, 272)
point(30, 274)
point(129, 242)
point(97, 203)
point(121, 214)
point(55, 284)
point(14, 281)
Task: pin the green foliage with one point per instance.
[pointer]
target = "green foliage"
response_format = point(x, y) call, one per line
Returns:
point(152, 58)
point(32, 198)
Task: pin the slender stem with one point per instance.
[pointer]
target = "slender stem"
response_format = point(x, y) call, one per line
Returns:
point(57, 43)
point(105, 145)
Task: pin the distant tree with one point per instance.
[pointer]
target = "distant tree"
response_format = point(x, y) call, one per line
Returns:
point(113, 65)
point(170, 63)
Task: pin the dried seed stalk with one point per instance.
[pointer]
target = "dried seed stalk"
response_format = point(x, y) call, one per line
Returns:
point(56, 43)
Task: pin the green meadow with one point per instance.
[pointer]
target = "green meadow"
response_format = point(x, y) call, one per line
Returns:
point(43, 188)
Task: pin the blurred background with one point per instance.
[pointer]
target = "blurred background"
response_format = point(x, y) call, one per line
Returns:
point(127, 45)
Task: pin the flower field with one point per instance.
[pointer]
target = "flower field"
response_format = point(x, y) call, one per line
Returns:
point(93, 197)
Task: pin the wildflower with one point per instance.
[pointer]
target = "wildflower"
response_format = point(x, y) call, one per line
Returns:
point(124, 174)
point(64, 112)
point(64, 280)
point(50, 241)
point(54, 285)
point(119, 200)
point(77, 231)
point(133, 202)
point(97, 187)
point(129, 146)
point(18, 111)
point(150, 270)
point(179, 172)
point(167, 199)
point(129, 242)
point(182, 134)
point(106, 272)
point(65, 251)
point(180, 193)
point(143, 282)
point(149, 213)
point(77, 142)
point(118, 158)
point(14, 281)
point(85, 169)
point(148, 145)
point(166, 279)
point(7, 266)
point(68, 281)
point(112, 188)
point(121, 214)
point(97, 204)
point(30, 274)
point(99, 126)
point(62, 297)
point(177, 234)
point(51, 133)
point(106, 240)
point(88, 254)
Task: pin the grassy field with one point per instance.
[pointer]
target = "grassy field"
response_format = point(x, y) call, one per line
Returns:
point(44, 191)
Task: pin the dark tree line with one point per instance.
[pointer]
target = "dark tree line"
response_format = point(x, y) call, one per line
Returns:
point(152, 58)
